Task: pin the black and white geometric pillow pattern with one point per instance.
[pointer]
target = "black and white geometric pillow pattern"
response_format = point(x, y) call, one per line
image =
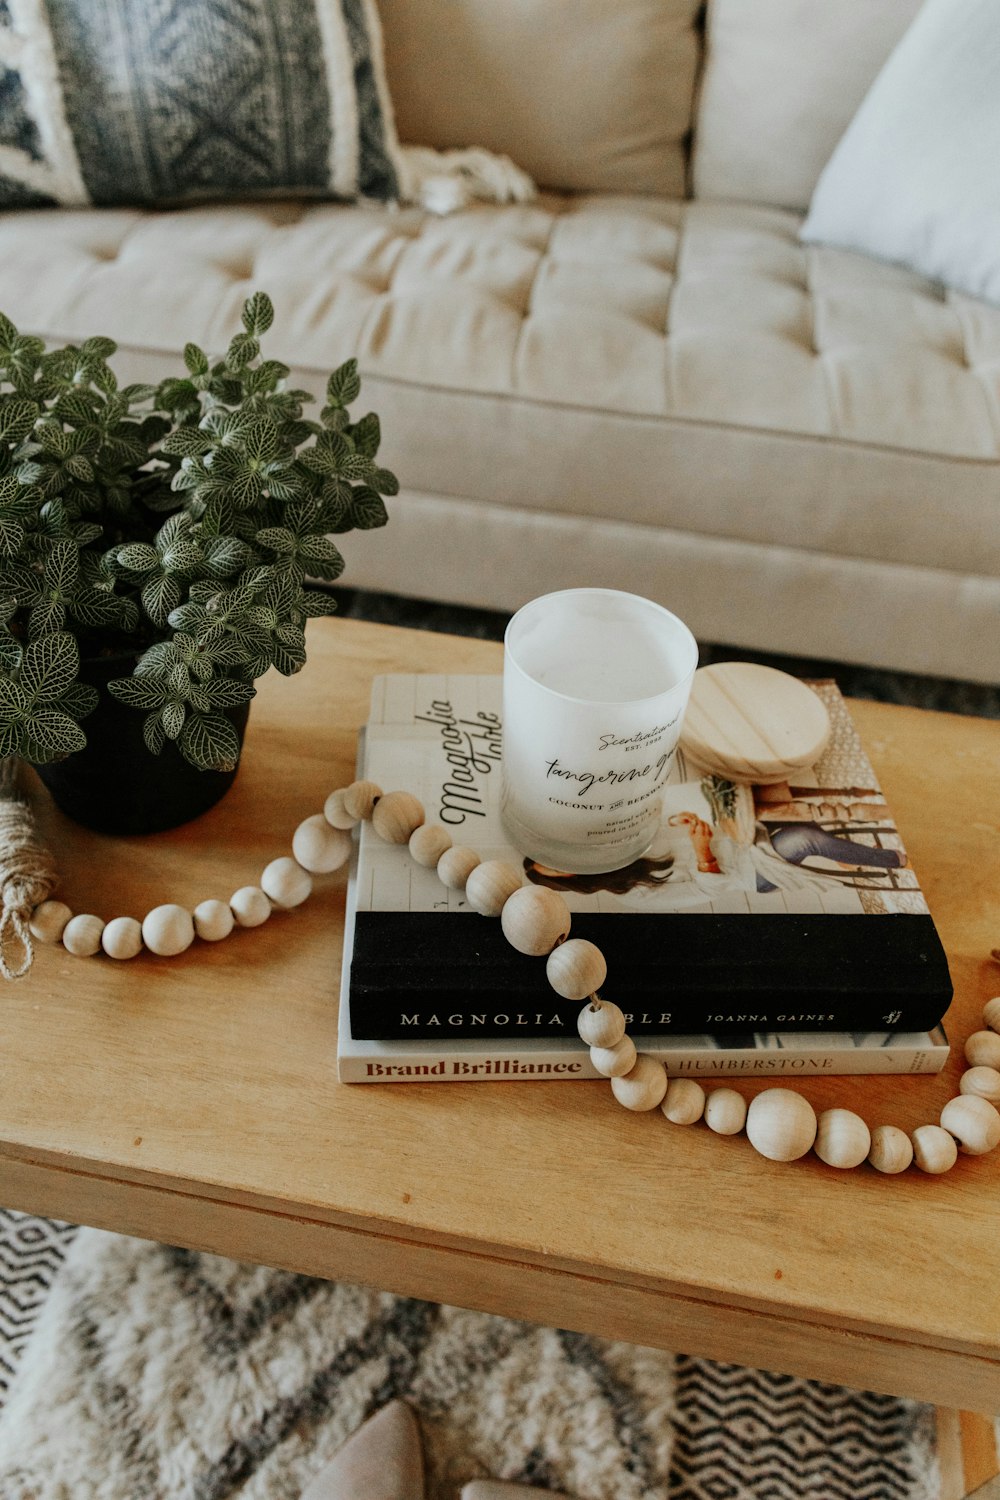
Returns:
point(152, 101)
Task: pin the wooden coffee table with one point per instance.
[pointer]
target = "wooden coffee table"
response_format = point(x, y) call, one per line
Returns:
point(194, 1100)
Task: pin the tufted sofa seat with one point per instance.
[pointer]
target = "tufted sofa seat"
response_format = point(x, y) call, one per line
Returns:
point(592, 386)
point(795, 448)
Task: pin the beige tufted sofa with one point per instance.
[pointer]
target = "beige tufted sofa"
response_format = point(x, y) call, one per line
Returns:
point(642, 379)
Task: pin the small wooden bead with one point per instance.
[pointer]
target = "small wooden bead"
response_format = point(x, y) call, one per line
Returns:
point(82, 935)
point(982, 1050)
point(360, 799)
point(781, 1125)
point(984, 1082)
point(644, 1086)
point(725, 1111)
point(319, 847)
point(213, 920)
point(534, 919)
point(427, 844)
point(934, 1150)
point(285, 883)
point(684, 1101)
point(167, 930)
point(490, 885)
point(973, 1122)
point(601, 1025)
point(48, 921)
point(891, 1149)
point(576, 969)
point(250, 906)
point(335, 812)
point(456, 865)
point(396, 815)
point(616, 1061)
point(122, 937)
point(842, 1138)
point(991, 1013)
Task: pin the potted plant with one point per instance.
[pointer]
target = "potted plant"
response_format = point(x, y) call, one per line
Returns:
point(155, 543)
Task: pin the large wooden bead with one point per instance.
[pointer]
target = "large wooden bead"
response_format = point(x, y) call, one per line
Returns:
point(991, 1013)
point(213, 920)
point(934, 1149)
point(82, 935)
point(250, 906)
point(335, 811)
point(168, 930)
point(601, 1025)
point(684, 1101)
point(534, 919)
point(842, 1138)
point(456, 865)
point(891, 1149)
point(725, 1111)
point(122, 937)
point(616, 1061)
point(984, 1082)
point(285, 883)
point(973, 1122)
point(982, 1050)
point(576, 969)
point(319, 847)
point(643, 1087)
point(490, 885)
point(427, 844)
point(360, 799)
point(781, 1125)
point(48, 921)
point(396, 815)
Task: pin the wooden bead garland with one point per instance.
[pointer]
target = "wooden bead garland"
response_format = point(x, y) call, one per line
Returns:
point(779, 1123)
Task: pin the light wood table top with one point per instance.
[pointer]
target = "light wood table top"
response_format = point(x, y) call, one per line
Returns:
point(194, 1100)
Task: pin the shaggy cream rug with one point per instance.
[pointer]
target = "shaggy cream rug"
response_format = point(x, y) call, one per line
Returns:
point(160, 1374)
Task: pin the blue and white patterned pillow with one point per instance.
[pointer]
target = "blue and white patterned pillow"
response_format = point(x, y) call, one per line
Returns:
point(160, 101)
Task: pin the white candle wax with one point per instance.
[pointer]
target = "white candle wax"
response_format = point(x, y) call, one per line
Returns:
point(595, 686)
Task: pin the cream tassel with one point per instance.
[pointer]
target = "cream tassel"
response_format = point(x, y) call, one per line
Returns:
point(443, 181)
point(27, 872)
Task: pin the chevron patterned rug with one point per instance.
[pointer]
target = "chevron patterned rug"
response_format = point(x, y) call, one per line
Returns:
point(134, 1371)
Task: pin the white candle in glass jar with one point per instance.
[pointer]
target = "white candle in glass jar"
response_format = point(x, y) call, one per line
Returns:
point(595, 685)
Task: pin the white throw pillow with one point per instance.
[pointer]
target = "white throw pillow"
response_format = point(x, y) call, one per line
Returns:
point(916, 177)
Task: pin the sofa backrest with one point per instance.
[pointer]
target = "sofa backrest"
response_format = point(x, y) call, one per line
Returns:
point(781, 82)
point(586, 95)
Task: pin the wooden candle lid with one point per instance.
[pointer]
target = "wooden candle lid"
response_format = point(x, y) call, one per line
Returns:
point(750, 723)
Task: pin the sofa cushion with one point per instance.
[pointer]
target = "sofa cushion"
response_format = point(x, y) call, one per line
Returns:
point(782, 80)
point(584, 94)
point(125, 102)
point(915, 178)
point(663, 364)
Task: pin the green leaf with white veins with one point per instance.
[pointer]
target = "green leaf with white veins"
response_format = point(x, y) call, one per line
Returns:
point(50, 666)
point(62, 566)
point(210, 742)
point(172, 717)
point(344, 385)
point(55, 731)
point(139, 692)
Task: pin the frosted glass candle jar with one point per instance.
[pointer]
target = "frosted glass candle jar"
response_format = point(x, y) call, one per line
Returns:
point(595, 684)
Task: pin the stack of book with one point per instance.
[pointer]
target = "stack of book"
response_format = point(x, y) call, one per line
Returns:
point(769, 931)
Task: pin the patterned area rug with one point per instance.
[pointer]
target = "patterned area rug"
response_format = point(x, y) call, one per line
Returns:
point(160, 1374)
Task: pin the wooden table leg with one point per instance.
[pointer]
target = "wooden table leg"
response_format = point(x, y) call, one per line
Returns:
point(967, 1455)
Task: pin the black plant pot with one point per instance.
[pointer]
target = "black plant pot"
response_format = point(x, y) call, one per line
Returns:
point(115, 785)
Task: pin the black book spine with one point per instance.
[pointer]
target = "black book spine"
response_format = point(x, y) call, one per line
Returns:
point(423, 976)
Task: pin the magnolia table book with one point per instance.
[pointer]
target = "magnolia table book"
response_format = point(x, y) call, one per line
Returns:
point(757, 910)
